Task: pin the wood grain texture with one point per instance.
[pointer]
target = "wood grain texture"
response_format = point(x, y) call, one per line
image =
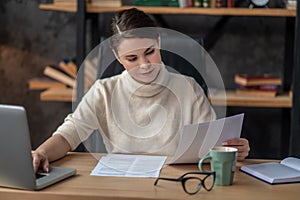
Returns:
point(84, 186)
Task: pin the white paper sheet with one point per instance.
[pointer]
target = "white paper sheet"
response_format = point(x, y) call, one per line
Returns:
point(129, 165)
point(197, 139)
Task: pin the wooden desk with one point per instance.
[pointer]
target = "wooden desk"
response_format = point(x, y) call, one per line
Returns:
point(84, 186)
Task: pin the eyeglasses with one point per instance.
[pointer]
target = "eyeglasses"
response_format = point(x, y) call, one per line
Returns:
point(192, 181)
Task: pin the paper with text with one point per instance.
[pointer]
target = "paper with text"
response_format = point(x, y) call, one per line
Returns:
point(197, 139)
point(129, 165)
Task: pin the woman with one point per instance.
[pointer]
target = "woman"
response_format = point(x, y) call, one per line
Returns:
point(136, 111)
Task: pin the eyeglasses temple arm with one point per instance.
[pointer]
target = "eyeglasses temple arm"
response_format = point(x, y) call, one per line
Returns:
point(167, 179)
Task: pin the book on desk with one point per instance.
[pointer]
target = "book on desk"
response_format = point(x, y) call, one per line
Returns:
point(286, 171)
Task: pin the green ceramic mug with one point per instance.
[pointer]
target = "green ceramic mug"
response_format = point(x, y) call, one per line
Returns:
point(223, 162)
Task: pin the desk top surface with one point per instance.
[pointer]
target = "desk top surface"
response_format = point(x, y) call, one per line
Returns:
point(84, 186)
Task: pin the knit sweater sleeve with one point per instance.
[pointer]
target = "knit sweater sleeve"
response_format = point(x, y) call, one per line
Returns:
point(79, 125)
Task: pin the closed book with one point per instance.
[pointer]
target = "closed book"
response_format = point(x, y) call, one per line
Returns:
point(286, 171)
point(67, 2)
point(60, 76)
point(251, 80)
point(170, 3)
point(106, 3)
point(58, 94)
point(183, 3)
point(256, 93)
point(259, 87)
point(69, 68)
point(44, 83)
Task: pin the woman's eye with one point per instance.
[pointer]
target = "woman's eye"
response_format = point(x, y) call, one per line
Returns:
point(150, 52)
point(132, 59)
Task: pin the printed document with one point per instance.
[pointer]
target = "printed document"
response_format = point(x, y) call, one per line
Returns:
point(197, 139)
point(129, 165)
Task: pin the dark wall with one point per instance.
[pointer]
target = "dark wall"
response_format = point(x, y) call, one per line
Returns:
point(30, 39)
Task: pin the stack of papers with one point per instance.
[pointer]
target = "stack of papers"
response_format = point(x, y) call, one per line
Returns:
point(129, 165)
point(197, 139)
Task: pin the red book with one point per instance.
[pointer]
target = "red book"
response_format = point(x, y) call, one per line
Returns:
point(190, 3)
point(252, 80)
point(230, 3)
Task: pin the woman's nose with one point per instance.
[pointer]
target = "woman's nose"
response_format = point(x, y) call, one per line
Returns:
point(144, 61)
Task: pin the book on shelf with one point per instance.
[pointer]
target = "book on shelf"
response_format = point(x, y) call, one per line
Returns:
point(59, 81)
point(291, 4)
point(252, 80)
point(259, 87)
point(44, 83)
point(183, 3)
point(67, 2)
point(286, 171)
point(106, 3)
point(256, 92)
point(58, 75)
point(58, 94)
point(170, 3)
point(69, 68)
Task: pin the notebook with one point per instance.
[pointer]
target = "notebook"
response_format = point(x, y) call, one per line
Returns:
point(16, 168)
point(286, 171)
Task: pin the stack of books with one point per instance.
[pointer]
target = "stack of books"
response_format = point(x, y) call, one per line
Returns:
point(257, 85)
point(59, 82)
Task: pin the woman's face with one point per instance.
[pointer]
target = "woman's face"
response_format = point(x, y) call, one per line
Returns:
point(141, 58)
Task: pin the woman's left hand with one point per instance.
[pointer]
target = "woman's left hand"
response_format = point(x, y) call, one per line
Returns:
point(241, 144)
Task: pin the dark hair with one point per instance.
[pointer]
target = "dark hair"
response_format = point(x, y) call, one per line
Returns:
point(128, 24)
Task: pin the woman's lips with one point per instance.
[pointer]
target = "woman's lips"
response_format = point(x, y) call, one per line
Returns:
point(147, 73)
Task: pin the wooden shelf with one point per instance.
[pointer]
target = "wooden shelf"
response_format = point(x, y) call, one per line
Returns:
point(271, 12)
point(217, 99)
point(280, 101)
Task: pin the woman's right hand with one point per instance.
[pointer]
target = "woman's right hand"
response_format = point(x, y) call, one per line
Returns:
point(40, 161)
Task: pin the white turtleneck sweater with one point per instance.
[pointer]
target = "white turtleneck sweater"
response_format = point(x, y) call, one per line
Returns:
point(137, 118)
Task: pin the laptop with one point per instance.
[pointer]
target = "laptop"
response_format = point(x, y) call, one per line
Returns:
point(16, 168)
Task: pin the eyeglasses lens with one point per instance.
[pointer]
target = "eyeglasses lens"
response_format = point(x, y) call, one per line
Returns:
point(192, 185)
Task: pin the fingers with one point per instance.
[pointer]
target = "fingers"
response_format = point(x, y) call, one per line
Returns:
point(236, 142)
point(40, 161)
point(241, 144)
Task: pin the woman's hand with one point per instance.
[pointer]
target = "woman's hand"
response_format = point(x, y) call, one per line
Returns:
point(241, 144)
point(40, 161)
point(52, 149)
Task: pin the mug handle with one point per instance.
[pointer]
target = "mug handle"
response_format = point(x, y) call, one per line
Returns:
point(201, 162)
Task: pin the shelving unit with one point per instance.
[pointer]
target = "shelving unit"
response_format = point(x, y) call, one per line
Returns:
point(175, 10)
point(292, 48)
point(280, 101)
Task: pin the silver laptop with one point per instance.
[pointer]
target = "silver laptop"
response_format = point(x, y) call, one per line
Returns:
point(16, 168)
